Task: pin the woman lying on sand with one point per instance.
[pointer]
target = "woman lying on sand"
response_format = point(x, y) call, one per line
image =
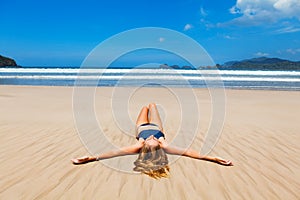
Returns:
point(151, 147)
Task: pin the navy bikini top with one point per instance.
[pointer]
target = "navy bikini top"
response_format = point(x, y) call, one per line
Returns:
point(147, 133)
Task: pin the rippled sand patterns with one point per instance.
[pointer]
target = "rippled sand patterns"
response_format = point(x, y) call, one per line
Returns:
point(38, 139)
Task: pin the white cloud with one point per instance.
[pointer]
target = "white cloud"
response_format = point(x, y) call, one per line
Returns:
point(161, 39)
point(228, 37)
point(289, 29)
point(257, 12)
point(288, 7)
point(261, 54)
point(293, 51)
point(187, 27)
point(207, 24)
point(203, 12)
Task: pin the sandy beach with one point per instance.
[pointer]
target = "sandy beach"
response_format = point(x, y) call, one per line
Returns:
point(39, 137)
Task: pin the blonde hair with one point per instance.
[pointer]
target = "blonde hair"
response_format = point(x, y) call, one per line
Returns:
point(152, 161)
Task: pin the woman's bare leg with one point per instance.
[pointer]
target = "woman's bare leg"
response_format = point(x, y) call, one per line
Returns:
point(154, 116)
point(143, 116)
point(142, 119)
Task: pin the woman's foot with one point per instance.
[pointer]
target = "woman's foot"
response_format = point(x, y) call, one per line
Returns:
point(82, 160)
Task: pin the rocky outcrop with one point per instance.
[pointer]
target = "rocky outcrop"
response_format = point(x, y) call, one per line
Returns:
point(7, 62)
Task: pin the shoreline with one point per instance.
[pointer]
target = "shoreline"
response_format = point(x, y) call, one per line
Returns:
point(157, 87)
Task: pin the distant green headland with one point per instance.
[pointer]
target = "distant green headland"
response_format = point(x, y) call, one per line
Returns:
point(7, 62)
point(261, 63)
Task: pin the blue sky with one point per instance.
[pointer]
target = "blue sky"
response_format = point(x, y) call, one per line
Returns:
point(62, 33)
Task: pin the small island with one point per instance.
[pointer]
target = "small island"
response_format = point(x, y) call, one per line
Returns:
point(7, 62)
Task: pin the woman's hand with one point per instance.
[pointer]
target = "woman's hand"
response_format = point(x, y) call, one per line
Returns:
point(224, 162)
point(83, 160)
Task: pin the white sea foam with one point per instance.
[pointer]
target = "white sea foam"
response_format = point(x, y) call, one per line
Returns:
point(145, 77)
point(149, 71)
point(286, 80)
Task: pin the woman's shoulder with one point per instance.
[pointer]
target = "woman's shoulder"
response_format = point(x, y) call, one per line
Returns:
point(163, 142)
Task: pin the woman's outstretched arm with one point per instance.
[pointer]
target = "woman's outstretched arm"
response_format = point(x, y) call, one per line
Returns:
point(194, 154)
point(133, 149)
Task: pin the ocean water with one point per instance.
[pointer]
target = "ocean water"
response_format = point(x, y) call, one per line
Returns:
point(235, 79)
